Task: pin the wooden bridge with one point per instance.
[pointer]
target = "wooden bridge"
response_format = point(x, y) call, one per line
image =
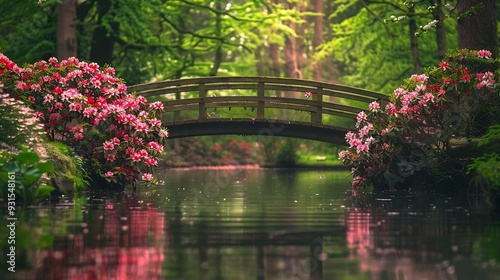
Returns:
point(260, 106)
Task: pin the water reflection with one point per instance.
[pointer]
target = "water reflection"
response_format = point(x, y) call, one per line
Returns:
point(403, 236)
point(260, 224)
point(114, 240)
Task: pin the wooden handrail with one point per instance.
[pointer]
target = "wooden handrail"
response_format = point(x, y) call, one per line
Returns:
point(259, 85)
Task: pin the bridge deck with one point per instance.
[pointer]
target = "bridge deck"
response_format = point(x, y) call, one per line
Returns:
point(265, 97)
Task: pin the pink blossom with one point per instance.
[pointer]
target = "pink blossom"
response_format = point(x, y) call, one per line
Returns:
point(70, 94)
point(420, 88)
point(55, 117)
point(130, 150)
point(308, 94)
point(361, 117)
point(137, 141)
point(78, 136)
point(155, 146)
point(362, 148)
point(122, 88)
point(390, 108)
point(155, 122)
point(150, 161)
point(21, 85)
point(147, 177)
point(108, 146)
point(365, 130)
point(136, 157)
point(343, 154)
point(75, 106)
point(53, 60)
point(58, 105)
point(35, 87)
point(111, 157)
point(355, 142)
point(143, 153)
point(141, 99)
point(399, 92)
point(484, 54)
point(39, 115)
point(156, 105)
point(89, 112)
point(163, 133)
point(109, 174)
point(419, 78)
point(140, 126)
point(444, 65)
point(428, 97)
point(48, 98)
point(350, 136)
point(374, 106)
point(110, 70)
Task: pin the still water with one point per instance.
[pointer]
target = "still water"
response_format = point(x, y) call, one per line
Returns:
point(257, 224)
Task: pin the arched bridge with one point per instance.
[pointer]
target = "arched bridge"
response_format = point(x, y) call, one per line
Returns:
point(259, 106)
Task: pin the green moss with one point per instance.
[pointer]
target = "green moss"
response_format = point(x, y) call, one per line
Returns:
point(67, 165)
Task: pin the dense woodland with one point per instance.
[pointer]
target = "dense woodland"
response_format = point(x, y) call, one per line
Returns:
point(359, 43)
point(362, 43)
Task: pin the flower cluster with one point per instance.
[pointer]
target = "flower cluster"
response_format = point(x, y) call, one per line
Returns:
point(89, 108)
point(413, 131)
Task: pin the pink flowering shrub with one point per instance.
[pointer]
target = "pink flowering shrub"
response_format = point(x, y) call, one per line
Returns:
point(88, 108)
point(427, 119)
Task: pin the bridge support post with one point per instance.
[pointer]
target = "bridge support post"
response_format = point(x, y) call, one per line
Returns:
point(317, 116)
point(202, 111)
point(260, 102)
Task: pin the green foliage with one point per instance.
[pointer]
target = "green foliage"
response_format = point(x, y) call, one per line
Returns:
point(423, 131)
point(286, 155)
point(371, 54)
point(486, 167)
point(67, 165)
point(28, 29)
point(21, 174)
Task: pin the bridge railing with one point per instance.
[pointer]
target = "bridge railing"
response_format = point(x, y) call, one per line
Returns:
point(260, 93)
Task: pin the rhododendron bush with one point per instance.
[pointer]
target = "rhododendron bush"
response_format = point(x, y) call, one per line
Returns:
point(418, 132)
point(120, 135)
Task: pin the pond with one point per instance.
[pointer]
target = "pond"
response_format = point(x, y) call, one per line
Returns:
point(256, 224)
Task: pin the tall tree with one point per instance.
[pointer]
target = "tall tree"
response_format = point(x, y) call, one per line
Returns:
point(438, 14)
point(415, 51)
point(66, 29)
point(318, 36)
point(105, 33)
point(477, 25)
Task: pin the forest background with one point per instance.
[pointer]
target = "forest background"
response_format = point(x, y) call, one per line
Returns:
point(360, 43)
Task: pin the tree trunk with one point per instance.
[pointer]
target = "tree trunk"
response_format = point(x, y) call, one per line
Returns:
point(318, 37)
point(218, 32)
point(300, 39)
point(412, 26)
point(103, 40)
point(478, 30)
point(275, 59)
point(66, 30)
point(290, 51)
point(440, 30)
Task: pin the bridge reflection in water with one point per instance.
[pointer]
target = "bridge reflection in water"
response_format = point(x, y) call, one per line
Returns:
point(286, 228)
point(270, 106)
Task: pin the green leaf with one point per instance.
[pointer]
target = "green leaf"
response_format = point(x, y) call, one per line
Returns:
point(43, 190)
point(45, 167)
point(27, 157)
